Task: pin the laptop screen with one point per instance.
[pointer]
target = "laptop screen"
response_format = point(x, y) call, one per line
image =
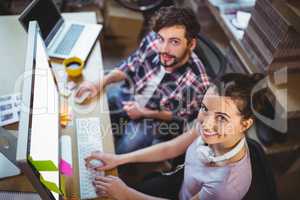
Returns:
point(43, 11)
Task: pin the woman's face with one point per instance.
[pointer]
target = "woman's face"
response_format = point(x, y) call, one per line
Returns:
point(220, 119)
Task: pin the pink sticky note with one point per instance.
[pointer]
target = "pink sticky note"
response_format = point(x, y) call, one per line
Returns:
point(65, 168)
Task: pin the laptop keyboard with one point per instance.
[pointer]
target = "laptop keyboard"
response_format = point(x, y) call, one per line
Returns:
point(69, 40)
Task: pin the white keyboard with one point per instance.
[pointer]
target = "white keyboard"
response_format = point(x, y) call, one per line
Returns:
point(88, 140)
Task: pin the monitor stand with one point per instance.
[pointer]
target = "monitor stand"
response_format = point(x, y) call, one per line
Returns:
point(8, 146)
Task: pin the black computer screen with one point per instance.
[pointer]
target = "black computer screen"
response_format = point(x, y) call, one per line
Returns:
point(45, 12)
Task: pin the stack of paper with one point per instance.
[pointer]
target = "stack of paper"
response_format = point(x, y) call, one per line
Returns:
point(10, 106)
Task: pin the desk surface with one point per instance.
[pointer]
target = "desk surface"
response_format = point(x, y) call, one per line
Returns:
point(13, 58)
point(235, 43)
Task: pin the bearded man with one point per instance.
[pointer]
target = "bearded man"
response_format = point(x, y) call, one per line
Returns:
point(164, 83)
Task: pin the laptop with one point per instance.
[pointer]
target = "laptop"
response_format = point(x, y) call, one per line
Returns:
point(8, 146)
point(63, 38)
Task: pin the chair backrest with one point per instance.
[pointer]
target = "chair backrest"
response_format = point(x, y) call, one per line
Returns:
point(213, 59)
point(263, 186)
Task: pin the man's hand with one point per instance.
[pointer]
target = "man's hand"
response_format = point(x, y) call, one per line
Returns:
point(110, 161)
point(133, 109)
point(87, 86)
point(111, 187)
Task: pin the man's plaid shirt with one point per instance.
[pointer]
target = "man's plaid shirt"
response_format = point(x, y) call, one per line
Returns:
point(179, 92)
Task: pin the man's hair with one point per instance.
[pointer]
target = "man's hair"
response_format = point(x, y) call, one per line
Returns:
point(172, 16)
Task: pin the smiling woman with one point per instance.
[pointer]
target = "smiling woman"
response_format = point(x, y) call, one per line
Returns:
point(226, 111)
point(224, 170)
point(217, 164)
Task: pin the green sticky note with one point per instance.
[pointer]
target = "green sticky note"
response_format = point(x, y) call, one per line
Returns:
point(50, 185)
point(43, 165)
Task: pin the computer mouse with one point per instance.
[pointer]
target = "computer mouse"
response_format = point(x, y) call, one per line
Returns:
point(96, 163)
point(82, 98)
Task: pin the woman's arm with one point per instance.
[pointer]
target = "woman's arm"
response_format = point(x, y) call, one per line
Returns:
point(155, 153)
point(162, 151)
point(113, 187)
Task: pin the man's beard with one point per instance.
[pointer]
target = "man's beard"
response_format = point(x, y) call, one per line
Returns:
point(176, 60)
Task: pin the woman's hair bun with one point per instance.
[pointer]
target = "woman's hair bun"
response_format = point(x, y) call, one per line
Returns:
point(240, 87)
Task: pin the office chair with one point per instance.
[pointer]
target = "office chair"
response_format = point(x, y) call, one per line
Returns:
point(211, 56)
point(263, 186)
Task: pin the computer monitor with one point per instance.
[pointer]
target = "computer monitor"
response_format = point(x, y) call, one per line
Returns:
point(38, 137)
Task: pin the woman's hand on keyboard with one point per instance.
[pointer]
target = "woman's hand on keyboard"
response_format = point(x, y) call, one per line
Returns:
point(109, 160)
point(111, 187)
